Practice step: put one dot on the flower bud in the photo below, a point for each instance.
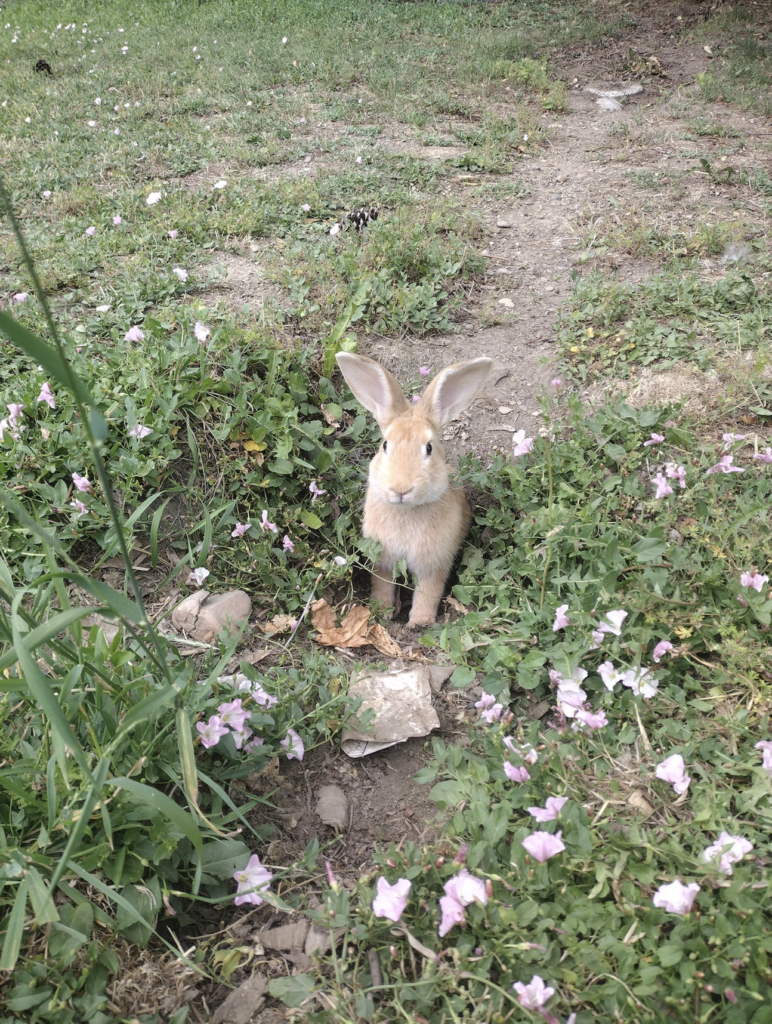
(439, 862)
(489, 888)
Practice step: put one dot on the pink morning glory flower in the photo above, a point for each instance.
(724, 466)
(592, 720)
(79, 505)
(765, 456)
(491, 711)
(661, 650)
(305, 208)
(754, 580)
(287, 544)
(293, 745)
(726, 851)
(265, 524)
(173, 233)
(198, 576)
(46, 396)
(730, 439)
(674, 472)
(251, 880)
(556, 383)
(534, 995)
(765, 746)
(240, 529)
(613, 622)
(637, 680)
(654, 439)
(663, 487)
(672, 770)
(153, 198)
(391, 900)
(212, 731)
(140, 431)
(528, 754)
(201, 332)
(541, 845)
(262, 697)
(46, 193)
(117, 220)
(550, 811)
(460, 891)
(340, 560)
(233, 715)
(515, 774)
(424, 370)
(561, 619)
(316, 492)
(81, 482)
(522, 444)
(676, 897)
(241, 736)
(21, 297)
(134, 334)
(258, 741)
(90, 232)
(181, 274)
(609, 675)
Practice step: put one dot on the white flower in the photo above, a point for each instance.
(727, 850)
(153, 198)
(220, 184)
(198, 576)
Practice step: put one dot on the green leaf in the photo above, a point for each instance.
(650, 549)
(176, 814)
(41, 899)
(118, 603)
(311, 519)
(292, 991)
(15, 928)
(187, 756)
(463, 676)
(223, 857)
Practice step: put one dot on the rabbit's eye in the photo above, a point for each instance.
(384, 447)
(429, 449)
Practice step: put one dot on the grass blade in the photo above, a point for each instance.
(15, 931)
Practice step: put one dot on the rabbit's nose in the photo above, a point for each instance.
(400, 496)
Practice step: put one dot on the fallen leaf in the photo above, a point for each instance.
(382, 641)
(279, 624)
(253, 657)
(241, 1005)
(639, 803)
(332, 806)
(456, 605)
(351, 632)
(322, 616)
(330, 418)
(286, 936)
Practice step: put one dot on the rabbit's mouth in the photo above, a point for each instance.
(402, 497)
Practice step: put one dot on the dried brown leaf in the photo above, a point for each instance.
(382, 641)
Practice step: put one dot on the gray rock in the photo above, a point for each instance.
(202, 616)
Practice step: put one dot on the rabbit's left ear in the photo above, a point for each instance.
(453, 389)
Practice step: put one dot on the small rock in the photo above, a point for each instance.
(503, 224)
(507, 302)
(484, 252)
(332, 806)
(734, 253)
(504, 409)
(608, 103)
(202, 616)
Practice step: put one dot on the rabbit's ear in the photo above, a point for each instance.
(373, 386)
(453, 389)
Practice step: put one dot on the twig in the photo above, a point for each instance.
(375, 968)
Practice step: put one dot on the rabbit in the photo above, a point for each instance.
(411, 507)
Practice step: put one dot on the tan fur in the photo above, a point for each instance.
(410, 508)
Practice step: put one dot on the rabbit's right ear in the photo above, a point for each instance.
(373, 386)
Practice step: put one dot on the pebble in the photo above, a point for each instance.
(507, 302)
(503, 224)
(202, 616)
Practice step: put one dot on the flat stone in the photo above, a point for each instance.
(503, 224)
(202, 616)
(507, 302)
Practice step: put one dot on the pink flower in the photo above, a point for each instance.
(592, 721)
(541, 845)
(82, 509)
(522, 444)
(550, 811)
(293, 745)
(117, 220)
(181, 274)
(726, 851)
(81, 482)
(15, 410)
(765, 746)
(516, 774)
(198, 576)
(491, 711)
(316, 492)
(265, 524)
(233, 715)
(528, 754)
(613, 623)
(663, 487)
(661, 650)
(424, 370)
(241, 736)
(240, 529)
(676, 897)
(140, 431)
(460, 891)
(46, 396)
(609, 674)
(173, 233)
(391, 900)
(654, 439)
(672, 770)
(730, 439)
(754, 580)
(724, 466)
(253, 877)
(556, 383)
(416, 399)
(765, 456)
(153, 198)
(90, 232)
(258, 741)
(212, 731)
(91, 124)
(47, 193)
(561, 619)
(262, 697)
(674, 472)
(287, 544)
(636, 679)
(134, 334)
(533, 995)
(201, 332)
(21, 297)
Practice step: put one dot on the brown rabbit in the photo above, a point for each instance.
(410, 507)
